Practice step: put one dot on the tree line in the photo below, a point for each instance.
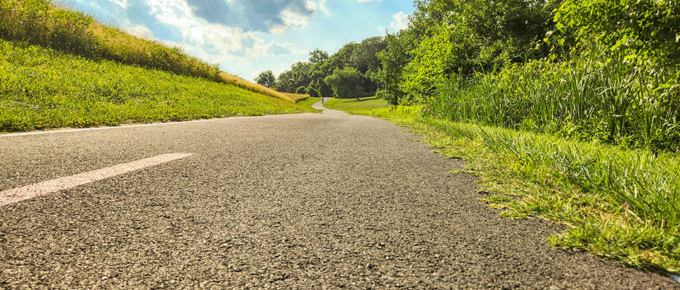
(349, 73)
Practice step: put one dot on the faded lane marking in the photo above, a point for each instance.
(35, 190)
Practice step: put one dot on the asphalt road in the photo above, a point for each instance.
(297, 201)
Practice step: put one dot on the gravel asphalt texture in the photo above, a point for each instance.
(293, 202)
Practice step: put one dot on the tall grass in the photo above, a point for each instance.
(621, 204)
(296, 97)
(255, 87)
(595, 98)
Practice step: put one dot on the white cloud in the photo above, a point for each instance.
(122, 3)
(400, 21)
(311, 6)
(200, 36)
(323, 8)
(292, 19)
(382, 28)
(217, 43)
(274, 48)
(277, 29)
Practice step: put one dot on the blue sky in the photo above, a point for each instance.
(246, 37)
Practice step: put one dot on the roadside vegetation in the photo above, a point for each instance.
(568, 110)
(619, 204)
(354, 106)
(307, 103)
(63, 68)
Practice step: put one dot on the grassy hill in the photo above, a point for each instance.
(63, 68)
(353, 106)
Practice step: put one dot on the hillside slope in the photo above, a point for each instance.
(44, 88)
(61, 68)
(41, 22)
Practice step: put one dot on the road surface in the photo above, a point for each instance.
(296, 201)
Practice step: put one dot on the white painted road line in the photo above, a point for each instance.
(35, 190)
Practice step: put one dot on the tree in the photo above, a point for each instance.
(317, 88)
(644, 30)
(318, 56)
(392, 62)
(266, 78)
(298, 76)
(346, 83)
(364, 57)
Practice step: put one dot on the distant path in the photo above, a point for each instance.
(291, 201)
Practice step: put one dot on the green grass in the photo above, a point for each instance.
(42, 22)
(308, 103)
(619, 204)
(44, 88)
(598, 98)
(354, 106)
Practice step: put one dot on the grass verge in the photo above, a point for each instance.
(619, 204)
(308, 103)
(354, 106)
(44, 88)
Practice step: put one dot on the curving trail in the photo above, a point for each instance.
(295, 201)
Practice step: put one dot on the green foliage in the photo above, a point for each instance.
(311, 74)
(301, 90)
(468, 36)
(364, 57)
(346, 83)
(318, 56)
(298, 76)
(43, 88)
(648, 31)
(266, 78)
(446, 52)
(586, 98)
(620, 204)
(341, 59)
(393, 60)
